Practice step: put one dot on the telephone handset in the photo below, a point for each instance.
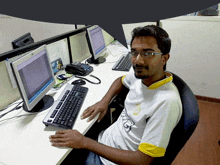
(78, 68)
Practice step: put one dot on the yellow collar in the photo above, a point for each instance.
(158, 84)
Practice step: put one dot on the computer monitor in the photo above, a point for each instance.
(34, 77)
(24, 40)
(96, 44)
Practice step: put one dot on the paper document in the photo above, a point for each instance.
(59, 49)
(116, 50)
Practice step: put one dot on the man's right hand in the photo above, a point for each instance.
(100, 107)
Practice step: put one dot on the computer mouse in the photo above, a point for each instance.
(79, 82)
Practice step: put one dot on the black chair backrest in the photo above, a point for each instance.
(186, 125)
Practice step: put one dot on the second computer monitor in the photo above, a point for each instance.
(96, 44)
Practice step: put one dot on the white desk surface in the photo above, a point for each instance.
(25, 140)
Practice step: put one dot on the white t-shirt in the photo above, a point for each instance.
(149, 116)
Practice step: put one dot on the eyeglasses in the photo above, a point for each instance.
(144, 54)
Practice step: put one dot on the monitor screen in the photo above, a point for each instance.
(34, 77)
(24, 40)
(96, 44)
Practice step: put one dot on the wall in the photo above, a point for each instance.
(194, 54)
(39, 31)
(129, 27)
(11, 28)
(195, 51)
(8, 94)
(79, 47)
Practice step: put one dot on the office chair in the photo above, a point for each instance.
(187, 124)
(183, 129)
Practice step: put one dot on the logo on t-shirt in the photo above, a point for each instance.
(127, 122)
(137, 110)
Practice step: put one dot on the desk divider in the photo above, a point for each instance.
(33, 46)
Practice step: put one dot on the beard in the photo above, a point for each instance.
(139, 72)
(139, 76)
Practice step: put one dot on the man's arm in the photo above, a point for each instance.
(73, 139)
(102, 106)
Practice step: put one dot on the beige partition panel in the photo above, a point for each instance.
(108, 38)
(8, 94)
(129, 27)
(11, 28)
(79, 47)
(195, 51)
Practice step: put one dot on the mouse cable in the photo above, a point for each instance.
(89, 80)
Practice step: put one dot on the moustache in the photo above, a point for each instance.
(140, 66)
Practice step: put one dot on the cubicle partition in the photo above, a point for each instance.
(127, 28)
(194, 53)
(70, 47)
(19, 51)
(25, 139)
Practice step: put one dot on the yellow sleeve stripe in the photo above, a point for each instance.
(152, 150)
(122, 79)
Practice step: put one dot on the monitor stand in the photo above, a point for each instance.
(97, 61)
(46, 102)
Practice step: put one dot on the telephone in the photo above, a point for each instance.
(78, 68)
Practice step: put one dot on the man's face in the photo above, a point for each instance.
(145, 67)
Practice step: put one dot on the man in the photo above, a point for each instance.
(208, 12)
(152, 107)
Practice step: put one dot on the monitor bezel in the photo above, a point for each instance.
(14, 64)
(91, 46)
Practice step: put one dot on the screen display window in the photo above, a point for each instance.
(35, 75)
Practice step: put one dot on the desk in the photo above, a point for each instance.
(25, 140)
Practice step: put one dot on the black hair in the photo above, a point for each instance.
(161, 36)
(209, 12)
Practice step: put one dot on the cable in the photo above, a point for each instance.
(14, 117)
(2, 122)
(89, 80)
(8, 106)
(15, 108)
(86, 62)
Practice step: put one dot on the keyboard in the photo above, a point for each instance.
(65, 110)
(123, 63)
